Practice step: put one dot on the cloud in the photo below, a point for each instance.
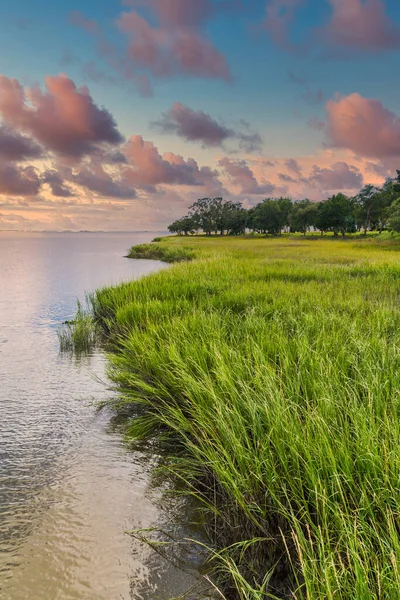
(243, 177)
(198, 126)
(180, 13)
(280, 15)
(364, 126)
(57, 185)
(287, 178)
(166, 51)
(361, 25)
(124, 67)
(64, 118)
(16, 147)
(315, 176)
(297, 78)
(340, 177)
(316, 124)
(380, 169)
(79, 20)
(293, 166)
(94, 178)
(19, 181)
(150, 168)
(171, 42)
(313, 96)
(354, 25)
(92, 72)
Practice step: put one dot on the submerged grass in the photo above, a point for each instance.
(270, 370)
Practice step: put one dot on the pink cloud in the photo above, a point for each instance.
(124, 67)
(287, 178)
(176, 45)
(197, 56)
(57, 185)
(95, 178)
(166, 52)
(148, 45)
(19, 181)
(364, 126)
(64, 118)
(361, 24)
(16, 147)
(193, 125)
(179, 13)
(243, 177)
(198, 126)
(150, 168)
(293, 166)
(381, 169)
(315, 176)
(340, 176)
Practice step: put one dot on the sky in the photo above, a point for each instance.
(117, 115)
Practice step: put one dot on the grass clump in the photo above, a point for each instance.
(156, 251)
(269, 369)
(80, 335)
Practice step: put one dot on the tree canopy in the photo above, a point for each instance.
(373, 208)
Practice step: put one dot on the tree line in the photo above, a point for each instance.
(373, 208)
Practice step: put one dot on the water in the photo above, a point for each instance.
(69, 488)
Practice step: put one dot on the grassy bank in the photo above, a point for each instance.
(164, 252)
(270, 371)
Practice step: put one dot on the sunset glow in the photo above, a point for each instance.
(119, 115)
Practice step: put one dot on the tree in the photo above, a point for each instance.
(388, 194)
(185, 225)
(285, 207)
(336, 214)
(267, 217)
(396, 184)
(302, 216)
(213, 214)
(201, 214)
(236, 222)
(221, 213)
(394, 216)
(369, 203)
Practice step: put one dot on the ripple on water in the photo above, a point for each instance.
(69, 489)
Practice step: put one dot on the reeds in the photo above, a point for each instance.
(270, 370)
(156, 251)
(79, 335)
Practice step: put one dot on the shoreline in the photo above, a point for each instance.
(245, 364)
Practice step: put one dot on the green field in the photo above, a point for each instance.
(269, 370)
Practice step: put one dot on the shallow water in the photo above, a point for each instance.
(69, 489)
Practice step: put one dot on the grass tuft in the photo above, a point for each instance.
(80, 335)
(155, 251)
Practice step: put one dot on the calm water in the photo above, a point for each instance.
(69, 489)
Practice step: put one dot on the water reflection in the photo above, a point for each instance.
(69, 489)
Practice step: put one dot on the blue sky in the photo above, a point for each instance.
(287, 60)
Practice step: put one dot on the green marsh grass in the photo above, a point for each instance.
(269, 369)
(79, 335)
(156, 251)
